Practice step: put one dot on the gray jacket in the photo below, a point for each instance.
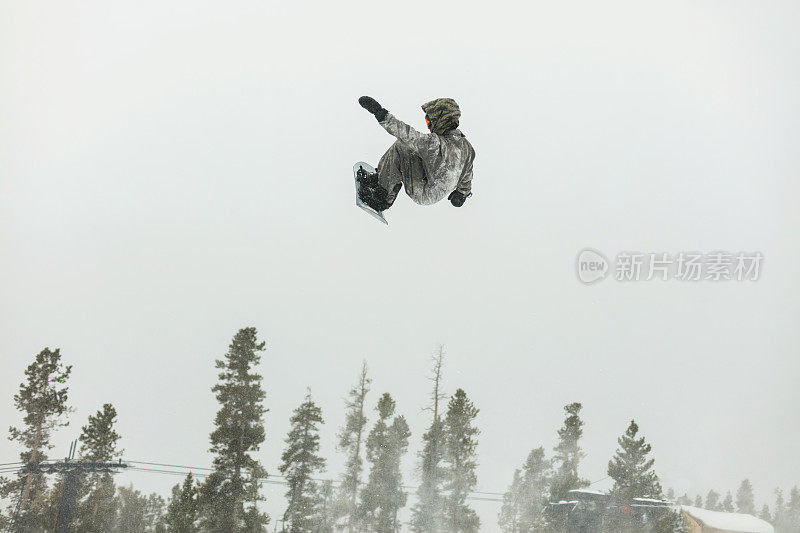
(447, 159)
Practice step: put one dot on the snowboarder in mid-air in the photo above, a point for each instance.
(430, 166)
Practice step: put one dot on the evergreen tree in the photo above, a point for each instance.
(712, 501)
(154, 514)
(780, 514)
(254, 520)
(698, 501)
(132, 506)
(786, 514)
(351, 438)
(42, 399)
(383, 495)
(51, 507)
(537, 473)
(671, 522)
(328, 512)
(427, 514)
(300, 461)
(525, 502)
(183, 507)
(793, 509)
(671, 494)
(239, 431)
(138, 513)
(631, 469)
(765, 514)
(459, 460)
(568, 455)
(510, 516)
(727, 503)
(745, 503)
(97, 505)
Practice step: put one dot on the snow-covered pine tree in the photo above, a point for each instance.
(97, 505)
(712, 501)
(671, 522)
(42, 399)
(460, 451)
(745, 502)
(427, 514)
(727, 503)
(383, 495)
(568, 455)
(351, 438)
(632, 469)
(698, 501)
(300, 461)
(183, 507)
(525, 502)
(238, 431)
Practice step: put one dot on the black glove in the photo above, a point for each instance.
(371, 105)
(457, 199)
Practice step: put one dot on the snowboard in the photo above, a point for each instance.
(362, 169)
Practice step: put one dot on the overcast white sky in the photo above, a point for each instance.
(172, 172)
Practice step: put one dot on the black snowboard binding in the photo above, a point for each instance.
(370, 192)
(368, 180)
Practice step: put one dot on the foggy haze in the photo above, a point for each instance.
(170, 173)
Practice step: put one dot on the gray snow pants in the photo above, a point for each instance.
(401, 165)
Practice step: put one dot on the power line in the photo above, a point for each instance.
(266, 480)
(165, 464)
(72, 472)
(193, 468)
(201, 471)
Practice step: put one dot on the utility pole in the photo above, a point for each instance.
(73, 471)
(68, 501)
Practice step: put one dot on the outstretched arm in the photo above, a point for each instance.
(397, 128)
(406, 134)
